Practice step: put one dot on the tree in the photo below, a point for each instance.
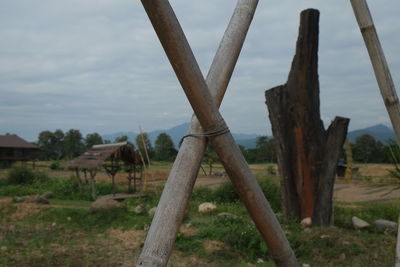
(121, 139)
(147, 144)
(93, 139)
(73, 144)
(367, 150)
(45, 143)
(51, 144)
(164, 148)
(265, 149)
(210, 157)
(58, 144)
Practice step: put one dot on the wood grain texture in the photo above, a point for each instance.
(185, 66)
(307, 154)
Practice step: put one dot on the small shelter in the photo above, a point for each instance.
(112, 157)
(13, 148)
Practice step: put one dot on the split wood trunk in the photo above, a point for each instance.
(307, 154)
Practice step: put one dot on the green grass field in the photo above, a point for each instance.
(67, 233)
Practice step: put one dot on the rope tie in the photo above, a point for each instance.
(208, 134)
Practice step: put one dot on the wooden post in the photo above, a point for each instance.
(92, 173)
(349, 161)
(188, 72)
(307, 154)
(144, 146)
(378, 60)
(78, 178)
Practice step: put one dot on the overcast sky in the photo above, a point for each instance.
(97, 65)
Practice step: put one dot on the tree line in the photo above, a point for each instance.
(59, 145)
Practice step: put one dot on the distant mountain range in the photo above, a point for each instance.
(177, 132)
(379, 132)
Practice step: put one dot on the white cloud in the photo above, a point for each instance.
(98, 65)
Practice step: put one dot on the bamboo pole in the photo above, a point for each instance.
(378, 60)
(182, 177)
(188, 72)
(144, 146)
(382, 74)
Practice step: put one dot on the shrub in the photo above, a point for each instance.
(202, 194)
(24, 175)
(226, 193)
(55, 165)
(273, 193)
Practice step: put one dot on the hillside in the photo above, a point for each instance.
(380, 132)
(177, 132)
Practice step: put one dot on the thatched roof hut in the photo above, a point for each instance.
(99, 154)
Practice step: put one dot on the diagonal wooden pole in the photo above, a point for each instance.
(188, 72)
(382, 74)
(378, 60)
(175, 197)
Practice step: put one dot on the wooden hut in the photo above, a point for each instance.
(111, 157)
(13, 148)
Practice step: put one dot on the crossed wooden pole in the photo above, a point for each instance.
(205, 97)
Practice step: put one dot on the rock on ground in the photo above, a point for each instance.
(359, 223)
(41, 200)
(106, 204)
(47, 195)
(207, 207)
(385, 225)
(139, 209)
(227, 215)
(306, 222)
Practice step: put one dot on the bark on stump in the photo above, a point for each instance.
(307, 154)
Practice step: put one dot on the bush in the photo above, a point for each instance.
(226, 193)
(202, 194)
(55, 165)
(24, 175)
(273, 193)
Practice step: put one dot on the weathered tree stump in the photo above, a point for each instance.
(307, 154)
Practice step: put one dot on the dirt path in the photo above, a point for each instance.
(364, 191)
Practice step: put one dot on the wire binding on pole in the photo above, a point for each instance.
(212, 133)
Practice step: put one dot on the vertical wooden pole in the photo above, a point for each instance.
(349, 161)
(79, 180)
(188, 72)
(92, 173)
(378, 60)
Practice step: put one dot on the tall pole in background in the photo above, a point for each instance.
(144, 146)
(378, 60)
(382, 73)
